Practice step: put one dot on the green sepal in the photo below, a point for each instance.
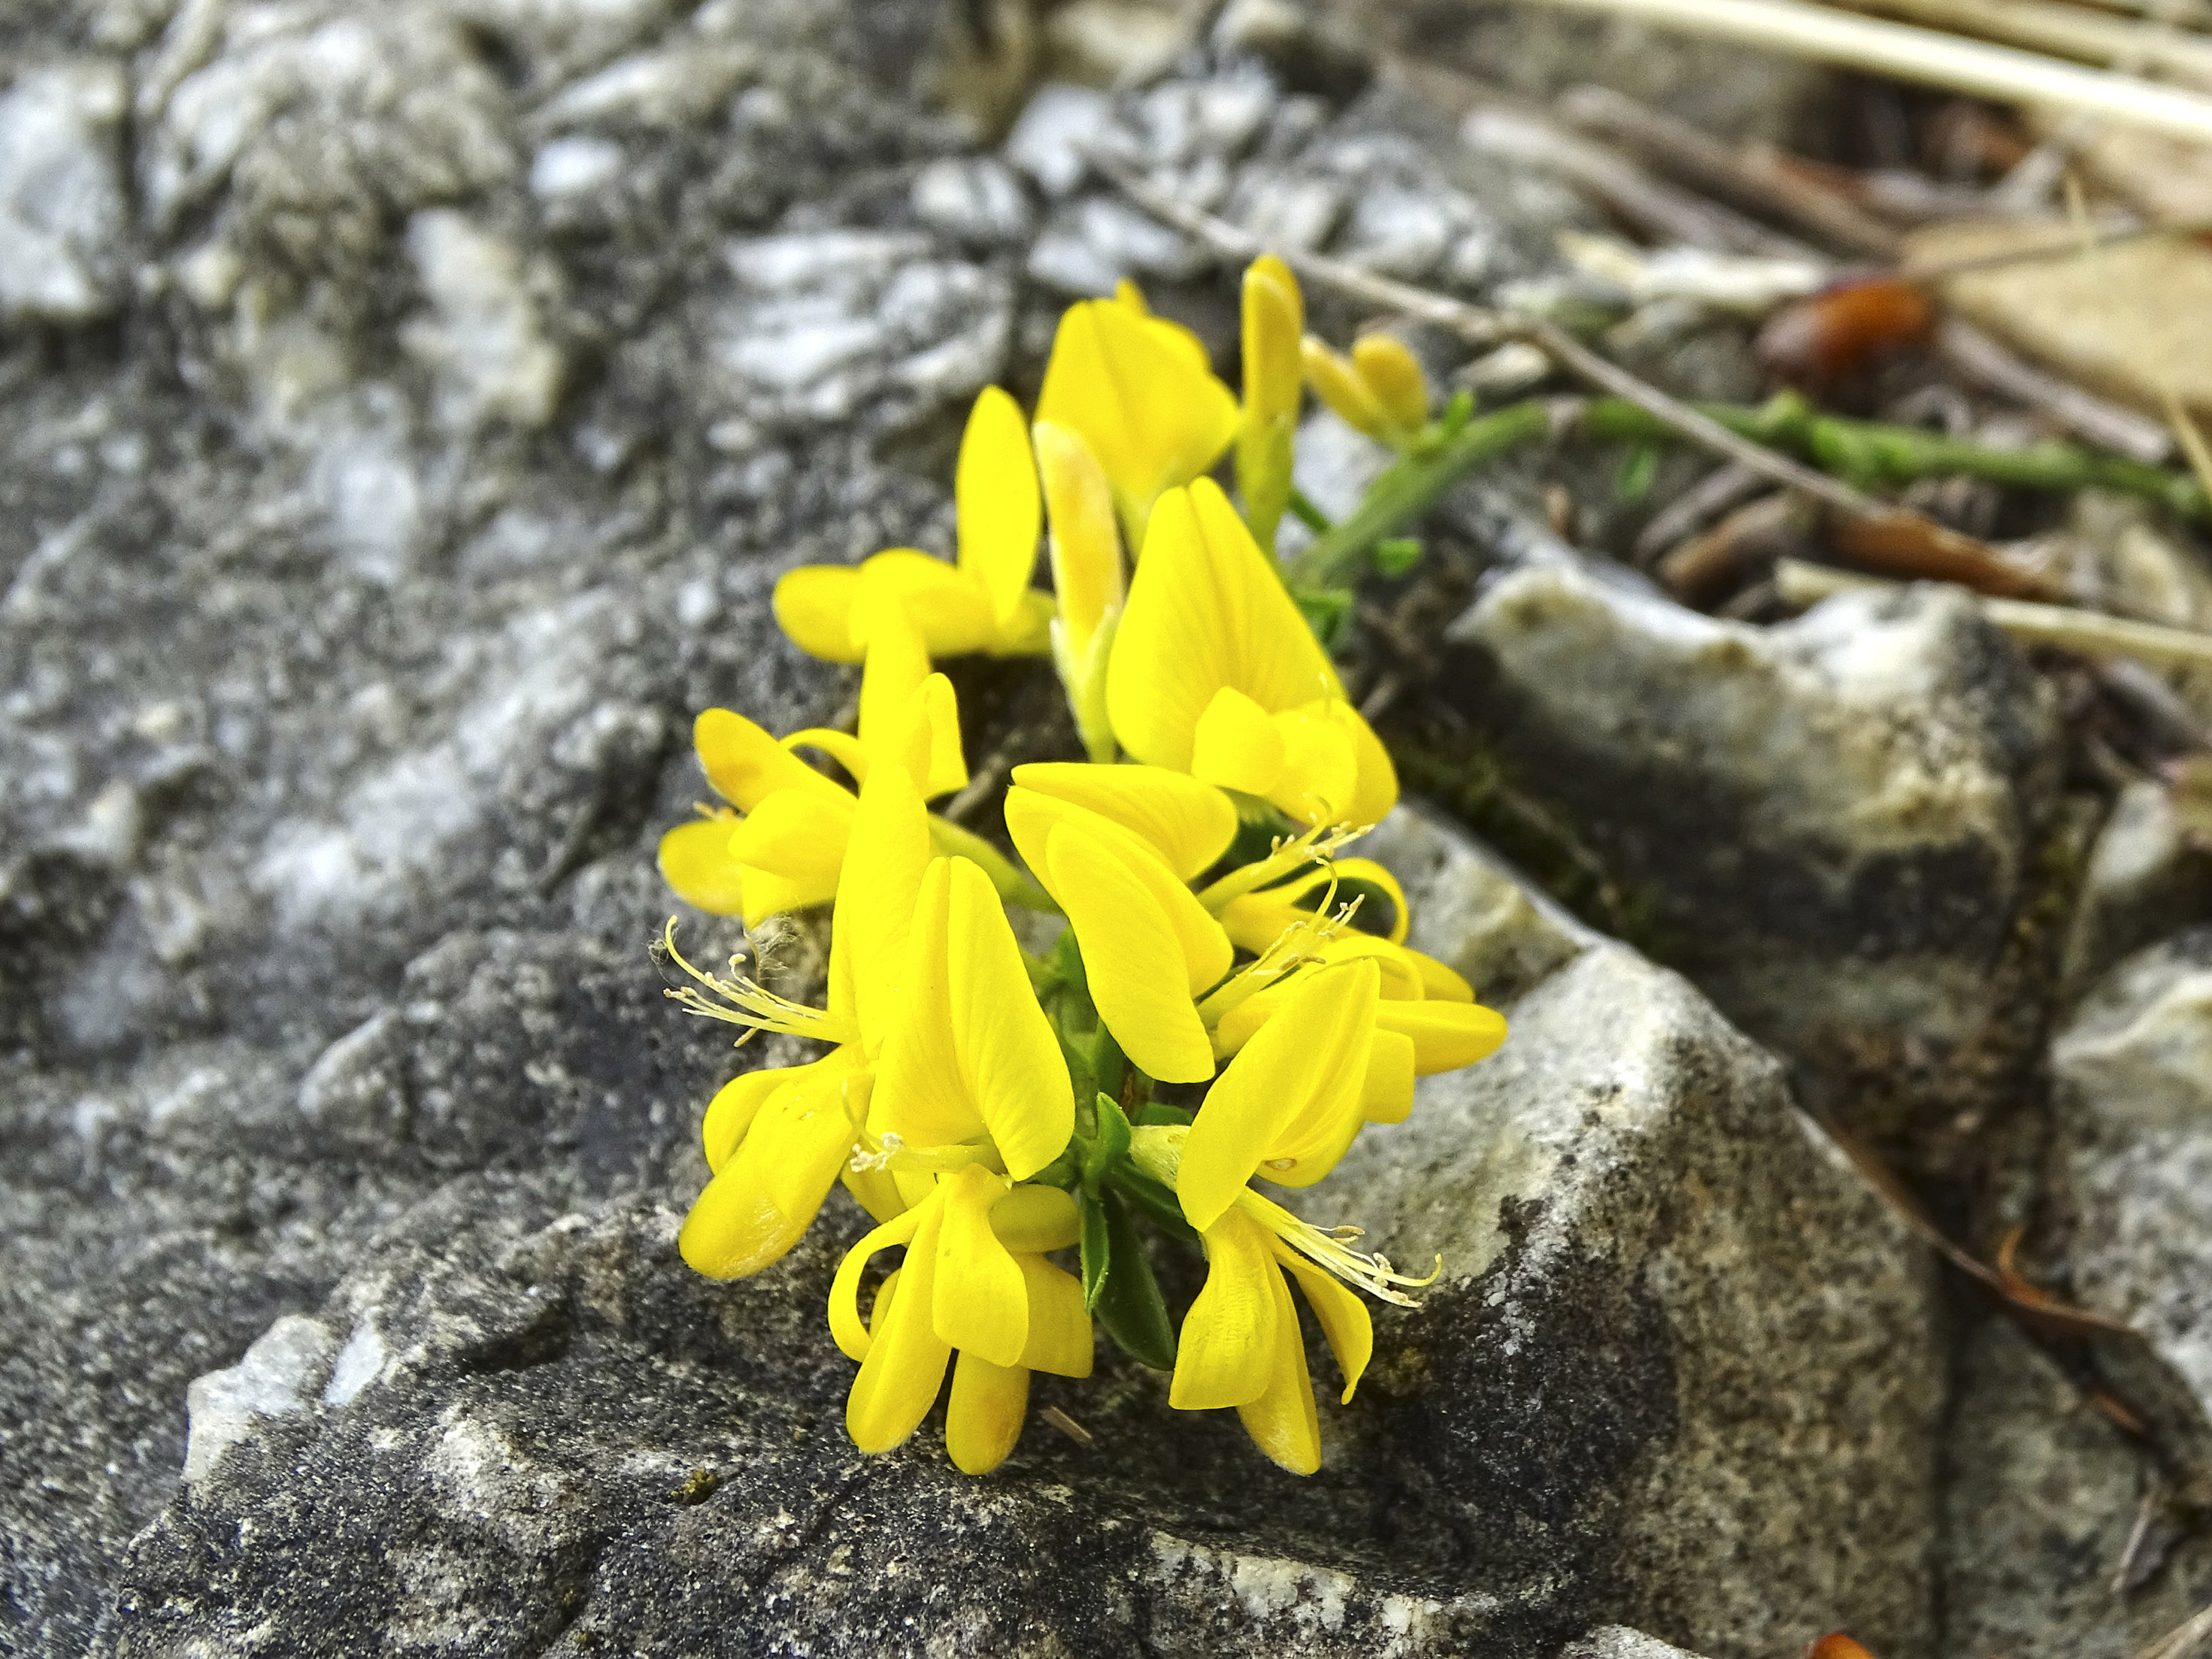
(1158, 1115)
(1063, 1172)
(1634, 481)
(1127, 1302)
(1396, 556)
(1095, 1243)
(1109, 1147)
(1156, 1201)
(1110, 1067)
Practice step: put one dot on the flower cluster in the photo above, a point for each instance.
(1232, 998)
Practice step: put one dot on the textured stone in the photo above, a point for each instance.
(1832, 821)
(2039, 1519)
(62, 206)
(2132, 1074)
(533, 1426)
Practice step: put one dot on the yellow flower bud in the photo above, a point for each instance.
(1274, 319)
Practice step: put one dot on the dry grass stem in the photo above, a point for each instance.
(1923, 54)
(2064, 627)
(2063, 31)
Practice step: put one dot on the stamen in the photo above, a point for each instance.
(743, 1000)
(1317, 846)
(1326, 1250)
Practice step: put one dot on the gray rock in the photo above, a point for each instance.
(1618, 1642)
(2132, 1076)
(2045, 1496)
(1832, 822)
(1056, 126)
(2146, 876)
(977, 200)
(528, 1424)
(62, 210)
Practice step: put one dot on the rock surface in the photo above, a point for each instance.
(1830, 824)
(536, 1431)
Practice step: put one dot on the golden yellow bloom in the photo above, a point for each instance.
(784, 854)
(776, 1140)
(1115, 847)
(1380, 389)
(1087, 580)
(969, 1057)
(1215, 673)
(975, 1281)
(981, 602)
(1274, 321)
(1138, 390)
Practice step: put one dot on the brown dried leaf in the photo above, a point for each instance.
(1907, 545)
(1837, 1645)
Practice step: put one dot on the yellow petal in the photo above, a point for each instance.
(983, 1415)
(1060, 1330)
(851, 1336)
(764, 1198)
(794, 833)
(1393, 375)
(745, 765)
(981, 1300)
(994, 489)
(1225, 1353)
(1321, 768)
(1009, 1058)
(1344, 1318)
(697, 862)
(883, 864)
(1337, 384)
(923, 735)
(1239, 745)
(969, 1051)
(1136, 924)
(1205, 611)
(1282, 1421)
(841, 747)
(906, 1358)
(1189, 824)
(1274, 320)
(1446, 1035)
(1376, 790)
(1086, 553)
(768, 894)
(1370, 873)
(813, 605)
(875, 1190)
(733, 1107)
(1033, 1218)
(897, 664)
(950, 611)
(1386, 1093)
(1437, 980)
(1289, 1103)
(1152, 416)
(1029, 633)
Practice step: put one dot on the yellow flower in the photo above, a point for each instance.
(1239, 1344)
(969, 1057)
(975, 1281)
(981, 602)
(1215, 673)
(1115, 847)
(1379, 389)
(1274, 320)
(786, 852)
(776, 1140)
(1087, 578)
(1138, 390)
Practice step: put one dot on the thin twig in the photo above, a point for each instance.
(1724, 488)
(1750, 179)
(2182, 1641)
(1661, 211)
(1995, 367)
(2088, 633)
(2060, 30)
(1480, 327)
(1926, 56)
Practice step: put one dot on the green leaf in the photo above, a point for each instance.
(1109, 1065)
(1457, 412)
(1634, 482)
(1397, 555)
(1156, 1201)
(1095, 1243)
(1327, 612)
(1112, 1145)
(1067, 961)
(1129, 1304)
(1158, 1115)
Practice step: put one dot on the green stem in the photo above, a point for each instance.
(1863, 453)
(1304, 510)
(1410, 486)
(1013, 884)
